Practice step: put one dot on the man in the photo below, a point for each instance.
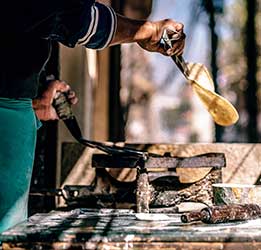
(26, 26)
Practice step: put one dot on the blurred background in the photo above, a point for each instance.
(160, 107)
(127, 94)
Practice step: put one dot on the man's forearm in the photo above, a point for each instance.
(148, 34)
(130, 30)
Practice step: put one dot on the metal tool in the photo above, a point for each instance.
(153, 192)
(221, 110)
(167, 43)
(64, 111)
(149, 195)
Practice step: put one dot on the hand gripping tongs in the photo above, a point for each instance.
(221, 110)
(64, 111)
(168, 37)
(128, 157)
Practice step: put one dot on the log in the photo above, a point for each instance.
(223, 214)
(143, 192)
(200, 191)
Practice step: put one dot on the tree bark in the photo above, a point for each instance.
(251, 57)
(209, 6)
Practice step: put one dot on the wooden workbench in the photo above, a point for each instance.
(121, 229)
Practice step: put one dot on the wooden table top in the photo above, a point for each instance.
(118, 229)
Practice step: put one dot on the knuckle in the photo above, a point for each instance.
(168, 20)
(55, 82)
(179, 26)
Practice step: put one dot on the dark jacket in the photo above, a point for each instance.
(28, 27)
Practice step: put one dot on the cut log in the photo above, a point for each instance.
(200, 191)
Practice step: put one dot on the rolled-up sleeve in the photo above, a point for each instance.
(76, 22)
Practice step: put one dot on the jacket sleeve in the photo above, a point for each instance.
(81, 22)
(100, 28)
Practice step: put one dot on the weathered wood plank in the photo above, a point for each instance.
(133, 246)
(209, 160)
(90, 226)
(243, 161)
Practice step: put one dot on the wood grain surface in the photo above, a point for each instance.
(121, 229)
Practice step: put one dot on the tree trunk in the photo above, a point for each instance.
(214, 47)
(251, 57)
(116, 119)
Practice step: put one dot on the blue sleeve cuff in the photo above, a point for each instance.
(101, 28)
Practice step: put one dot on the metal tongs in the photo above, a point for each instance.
(221, 110)
(168, 37)
(64, 111)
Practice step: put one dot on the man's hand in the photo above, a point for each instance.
(148, 34)
(43, 105)
(154, 31)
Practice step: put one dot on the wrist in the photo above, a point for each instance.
(131, 30)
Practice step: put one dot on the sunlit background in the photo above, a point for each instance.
(159, 104)
(127, 94)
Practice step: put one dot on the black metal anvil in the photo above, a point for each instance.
(148, 194)
(208, 160)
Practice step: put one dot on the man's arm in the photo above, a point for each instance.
(148, 34)
(96, 26)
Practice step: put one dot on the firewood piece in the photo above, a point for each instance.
(216, 160)
(155, 175)
(190, 175)
(143, 193)
(200, 191)
(192, 216)
(222, 214)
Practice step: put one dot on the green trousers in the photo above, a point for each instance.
(18, 126)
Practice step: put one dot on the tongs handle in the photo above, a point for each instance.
(167, 37)
(180, 62)
(64, 111)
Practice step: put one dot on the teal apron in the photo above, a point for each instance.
(18, 126)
